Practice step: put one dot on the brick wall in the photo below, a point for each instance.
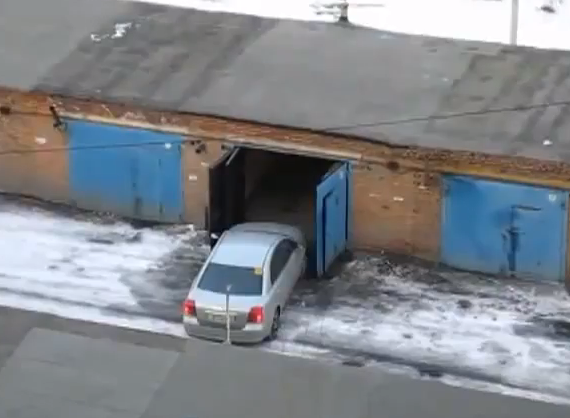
(396, 189)
(195, 165)
(396, 210)
(32, 170)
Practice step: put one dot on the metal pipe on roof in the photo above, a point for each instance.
(514, 21)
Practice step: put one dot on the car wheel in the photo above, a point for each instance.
(275, 325)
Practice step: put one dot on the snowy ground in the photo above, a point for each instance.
(477, 20)
(459, 328)
(442, 323)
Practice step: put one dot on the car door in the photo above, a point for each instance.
(286, 268)
(295, 266)
(278, 273)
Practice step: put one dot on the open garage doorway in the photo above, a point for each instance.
(255, 185)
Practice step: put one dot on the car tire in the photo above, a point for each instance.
(275, 325)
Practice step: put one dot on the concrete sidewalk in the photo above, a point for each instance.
(60, 368)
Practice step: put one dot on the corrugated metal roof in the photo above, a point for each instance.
(298, 74)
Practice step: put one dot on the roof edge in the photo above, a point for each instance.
(157, 107)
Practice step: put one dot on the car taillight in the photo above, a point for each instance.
(255, 315)
(189, 307)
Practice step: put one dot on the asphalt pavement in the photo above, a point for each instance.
(52, 367)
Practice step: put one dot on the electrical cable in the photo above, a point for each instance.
(521, 108)
(93, 147)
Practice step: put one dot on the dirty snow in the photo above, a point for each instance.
(74, 268)
(120, 30)
(476, 20)
(461, 329)
(442, 323)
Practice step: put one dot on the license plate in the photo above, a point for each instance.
(218, 318)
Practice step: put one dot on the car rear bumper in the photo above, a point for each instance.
(252, 334)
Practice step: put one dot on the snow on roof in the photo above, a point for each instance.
(298, 74)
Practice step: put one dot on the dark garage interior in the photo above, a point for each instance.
(255, 185)
(282, 188)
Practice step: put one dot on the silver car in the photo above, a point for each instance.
(260, 264)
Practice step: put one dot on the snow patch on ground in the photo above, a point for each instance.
(289, 348)
(508, 391)
(520, 338)
(475, 20)
(90, 314)
(73, 268)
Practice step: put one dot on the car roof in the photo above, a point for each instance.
(244, 248)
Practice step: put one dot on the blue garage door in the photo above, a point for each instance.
(504, 228)
(332, 217)
(131, 172)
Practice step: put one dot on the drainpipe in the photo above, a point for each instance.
(514, 21)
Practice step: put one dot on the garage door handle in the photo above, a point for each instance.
(524, 207)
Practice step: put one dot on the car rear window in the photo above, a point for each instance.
(244, 281)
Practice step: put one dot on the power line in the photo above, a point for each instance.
(449, 116)
(331, 129)
(165, 144)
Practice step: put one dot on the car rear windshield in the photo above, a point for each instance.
(244, 281)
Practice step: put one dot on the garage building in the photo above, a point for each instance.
(452, 152)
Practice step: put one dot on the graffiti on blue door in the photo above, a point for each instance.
(131, 172)
(504, 228)
(332, 218)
